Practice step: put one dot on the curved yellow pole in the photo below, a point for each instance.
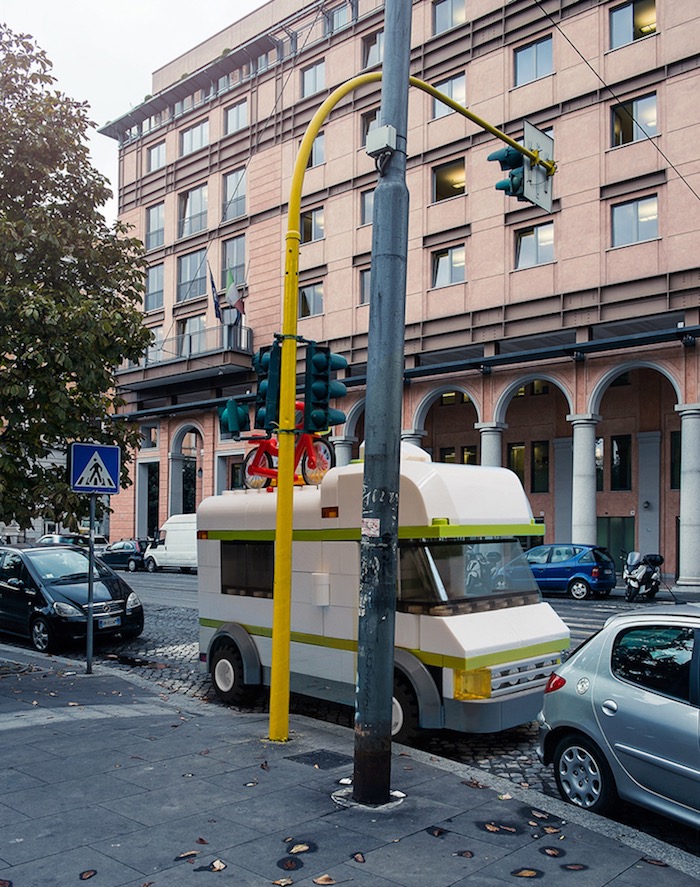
(282, 604)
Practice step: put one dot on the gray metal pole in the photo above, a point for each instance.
(91, 590)
(379, 545)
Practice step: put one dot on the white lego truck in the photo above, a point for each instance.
(474, 642)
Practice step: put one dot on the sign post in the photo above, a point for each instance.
(94, 469)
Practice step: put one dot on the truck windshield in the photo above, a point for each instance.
(439, 574)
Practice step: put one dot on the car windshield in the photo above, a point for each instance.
(64, 565)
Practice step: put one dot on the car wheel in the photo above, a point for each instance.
(582, 774)
(132, 566)
(404, 712)
(579, 589)
(227, 675)
(151, 565)
(42, 635)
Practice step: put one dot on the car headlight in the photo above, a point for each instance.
(132, 602)
(61, 608)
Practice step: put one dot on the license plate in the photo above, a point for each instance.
(109, 622)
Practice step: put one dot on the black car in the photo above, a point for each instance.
(44, 596)
(127, 554)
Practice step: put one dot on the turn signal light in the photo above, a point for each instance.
(475, 684)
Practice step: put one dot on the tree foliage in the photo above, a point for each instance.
(70, 290)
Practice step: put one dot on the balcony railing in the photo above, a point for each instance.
(189, 346)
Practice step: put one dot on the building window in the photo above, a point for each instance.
(191, 275)
(635, 221)
(233, 262)
(155, 226)
(634, 120)
(313, 79)
(447, 14)
(452, 398)
(154, 352)
(317, 155)
(370, 121)
(675, 460)
(336, 18)
(621, 462)
(540, 387)
(149, 438)
(191, 336)
(156, 157)
(373, 49)
(539, 466)
(448, 266)
(516, 459)
(366, 207)
(534, 246)
(632, 21)
(192, 214)
(311, 300)
(456, 89)
(533, 61)
(365, 285)
(448, 180)
(236, 117)
(194, 138)
(312, 225)
(599, 464)
(470, 455)
(154, 288)
(234, 194)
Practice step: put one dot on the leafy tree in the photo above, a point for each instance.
(70, 289)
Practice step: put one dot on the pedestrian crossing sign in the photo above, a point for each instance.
(94, 468)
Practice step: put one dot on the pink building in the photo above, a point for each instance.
(562, 346)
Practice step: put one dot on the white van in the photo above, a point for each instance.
(473, 649)
(174, 546)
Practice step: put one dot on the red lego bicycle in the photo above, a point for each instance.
(314, 456)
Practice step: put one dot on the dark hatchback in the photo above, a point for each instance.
(581, 571)
(44, 596)
(127, 554)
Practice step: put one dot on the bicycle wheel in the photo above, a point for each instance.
(324, 456)
(252, 480)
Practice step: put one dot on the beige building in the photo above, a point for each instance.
(562, 346)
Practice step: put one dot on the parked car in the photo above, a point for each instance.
(621, 715)
(579, 570)
(44, 596)
(127, 554)
(100, 542)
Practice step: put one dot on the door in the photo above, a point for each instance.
(561, 567)
(538, 559)
(17, 593)
(646, 705)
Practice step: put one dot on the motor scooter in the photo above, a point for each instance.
(642, 575)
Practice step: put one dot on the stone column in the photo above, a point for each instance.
(491, 434)
(583, 488)
(343, 449)
(689, 541)
(413, 436)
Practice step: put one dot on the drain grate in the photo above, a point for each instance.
(323, 759)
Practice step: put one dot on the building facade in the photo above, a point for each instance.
(560, 345)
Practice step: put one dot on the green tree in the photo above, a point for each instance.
(70, 290)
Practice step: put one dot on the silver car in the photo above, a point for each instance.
(621, 717)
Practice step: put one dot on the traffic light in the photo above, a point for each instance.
(319, 388)
(511, 159)
(234, 418)
(267, 364)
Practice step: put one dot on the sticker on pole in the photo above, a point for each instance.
(94, 468)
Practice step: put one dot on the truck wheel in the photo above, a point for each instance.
(227, 675)
(583, 776)
(579, 590)
(404, 712)
(151, 565)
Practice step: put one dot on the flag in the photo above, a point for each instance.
(234, 300)
(215, 297)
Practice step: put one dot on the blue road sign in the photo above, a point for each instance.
(94, 468)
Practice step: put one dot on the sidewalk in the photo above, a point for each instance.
(100, 774)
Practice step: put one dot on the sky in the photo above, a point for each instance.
(104, 51)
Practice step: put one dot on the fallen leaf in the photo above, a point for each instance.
(436, 831)
(551, 851)
(204, 751)
(576, 867)
(505, 797)
(201, 841)
(87, 874)
(188, 854)
(218, 865)
(358, 857)
(467, 854)
(299, 848)
(491, 827)
(551, 830)
(650, 861)
(250, 784)
(264, 766)
(473, 783)
(539, 814)
(509, 828)
(283, 882)
(324, 879)
(525, 873)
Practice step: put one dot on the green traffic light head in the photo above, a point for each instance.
(508, 157)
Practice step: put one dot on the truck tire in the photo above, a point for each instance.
(404, 711)
(227, 675)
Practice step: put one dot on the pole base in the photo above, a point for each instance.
(343, 798)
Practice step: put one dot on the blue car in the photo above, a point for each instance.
(579, 570)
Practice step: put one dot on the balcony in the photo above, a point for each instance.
(201, 355)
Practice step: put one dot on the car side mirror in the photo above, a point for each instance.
(21, 585)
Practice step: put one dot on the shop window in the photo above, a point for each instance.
(621, 462)
(539, 466)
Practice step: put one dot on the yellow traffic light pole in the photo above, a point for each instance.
(282, 588)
